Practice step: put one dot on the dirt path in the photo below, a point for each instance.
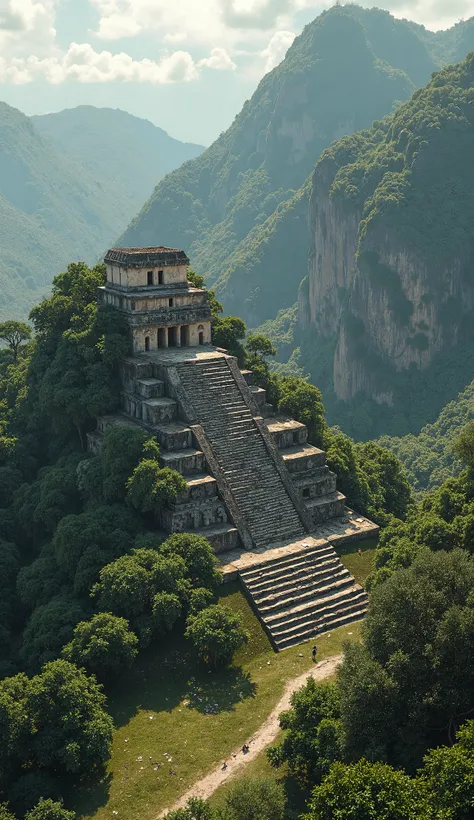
(262, 737)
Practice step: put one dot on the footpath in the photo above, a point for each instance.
(262, 738)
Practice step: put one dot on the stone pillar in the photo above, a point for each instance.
(178, 336)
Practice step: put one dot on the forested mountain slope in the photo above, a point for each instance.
(226, 206)
(389, 302)
(241, 208)
(428, 457)
(56, 206)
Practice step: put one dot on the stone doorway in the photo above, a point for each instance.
(172, 337)
(184, 336)
(147, 342)
(161, 337)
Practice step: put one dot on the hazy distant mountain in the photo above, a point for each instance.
(69, 183)
(128, 155)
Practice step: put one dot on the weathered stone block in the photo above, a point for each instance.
(150, 388)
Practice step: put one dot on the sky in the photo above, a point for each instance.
(186, 65)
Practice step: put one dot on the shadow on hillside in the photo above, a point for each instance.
(219, 692)
(166, 674)
(91, 795)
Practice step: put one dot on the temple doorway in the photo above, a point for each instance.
(147, 342)
(161, 337)
(172, 341)
(184, 336)
(201, 334)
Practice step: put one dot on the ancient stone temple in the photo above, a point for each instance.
(256, 489)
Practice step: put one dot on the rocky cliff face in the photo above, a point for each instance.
(390, 290)
(229, 204)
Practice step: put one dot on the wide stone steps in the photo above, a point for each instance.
(238, 445)
(287, 580)
(344, 618)
(272, 568)
(323, 608)
(298, 594)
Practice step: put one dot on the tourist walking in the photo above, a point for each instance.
(314, 652)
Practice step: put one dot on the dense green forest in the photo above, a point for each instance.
(241, 208)
(429, 458)
(69, 182)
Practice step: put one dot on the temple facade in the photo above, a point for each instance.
(163, 309)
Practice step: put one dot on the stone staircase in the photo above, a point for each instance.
(249, 469)
(302, 593)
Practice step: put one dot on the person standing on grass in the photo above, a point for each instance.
(314, 652)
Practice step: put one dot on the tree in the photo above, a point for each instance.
(228, 332)
(312, 739)
(216, 633)
(412, 682)
(198, 555)
(145, 587)
(50, 626)
(105, 646)
(5, 814)
(195, 809)
(14, 333)
(463, 445)
(15, 725)
(167, 609)
(364, 790)
(303, 402)
(151, 487)
(122, 450)
(72, 731)
(259, 345)
(49, 810)
(448, 776)
(254, 800)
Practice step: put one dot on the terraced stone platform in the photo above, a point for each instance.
(298, 590)
(255, 487)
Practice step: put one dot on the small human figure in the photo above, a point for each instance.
(245, 749)
(224, 766)
(359, 551)
(314, 652)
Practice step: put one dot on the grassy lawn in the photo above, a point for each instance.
(359, 565)
(175, 721)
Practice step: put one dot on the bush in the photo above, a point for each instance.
(104, 646)
(216, 633)
(254, 800)
(48, 810)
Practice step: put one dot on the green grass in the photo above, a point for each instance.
(167, 704)
(359, 565)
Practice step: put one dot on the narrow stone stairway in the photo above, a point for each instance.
(302, 594)
(240, 449)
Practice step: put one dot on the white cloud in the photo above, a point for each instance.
(27, 25)
(277, 48)
(85, 65)
(219, 61)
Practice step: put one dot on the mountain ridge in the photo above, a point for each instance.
(54, 207)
